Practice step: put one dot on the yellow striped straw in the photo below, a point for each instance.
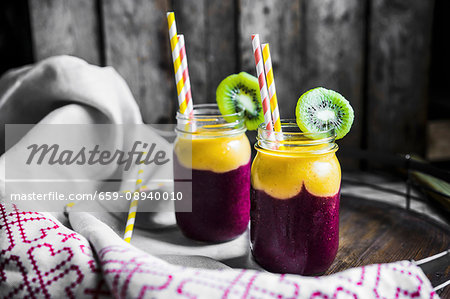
(177, 63)
(271, 86)
(130, 220)
(133, 209)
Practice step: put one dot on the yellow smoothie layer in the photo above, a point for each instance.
(283, 176)
(218, 154)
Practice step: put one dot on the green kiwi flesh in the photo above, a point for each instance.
(240, 92)
(321, 109)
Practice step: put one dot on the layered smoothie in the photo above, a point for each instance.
(295, 208)
(220, 168)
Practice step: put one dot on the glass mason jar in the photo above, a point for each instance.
(296, 181)
(214, 150)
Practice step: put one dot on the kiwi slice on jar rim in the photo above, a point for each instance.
(322, 109)
(241, 92)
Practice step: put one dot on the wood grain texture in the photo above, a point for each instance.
(313, 43)
(65, 27)
(278, 23)
(191, 21)
(209, 27)
(375, 232)
(332, 56)
(399, 52)
(220, 42)
(137, 46)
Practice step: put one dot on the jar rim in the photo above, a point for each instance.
(206, 121)
(202, 111)
(291, 138)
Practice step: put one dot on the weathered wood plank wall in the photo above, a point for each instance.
(375, 52)
(313, 43)
(136, 44)
(279, 24)
(210, 30)
(333, 53)
(65, 27)
(398, 72)
(191, 21)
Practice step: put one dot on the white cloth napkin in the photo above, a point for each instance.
(41, 257)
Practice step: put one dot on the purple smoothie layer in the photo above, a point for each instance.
(298, 235)
(220, 204)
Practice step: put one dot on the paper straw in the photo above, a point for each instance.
(262, 81)
(271, 87)
(176, 58)
(186, 81)
(132, 210)
(130, 220)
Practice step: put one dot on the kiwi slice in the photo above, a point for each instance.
(321, 109)
(241, 92)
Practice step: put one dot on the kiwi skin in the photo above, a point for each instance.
(322, 99)
(239, 92)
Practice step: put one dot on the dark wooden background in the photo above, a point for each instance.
(375, 52)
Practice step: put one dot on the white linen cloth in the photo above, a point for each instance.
(41, 257)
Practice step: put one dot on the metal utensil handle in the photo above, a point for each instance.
(434, 263)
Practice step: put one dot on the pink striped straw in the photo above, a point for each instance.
(186, 80)
(262, 82)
